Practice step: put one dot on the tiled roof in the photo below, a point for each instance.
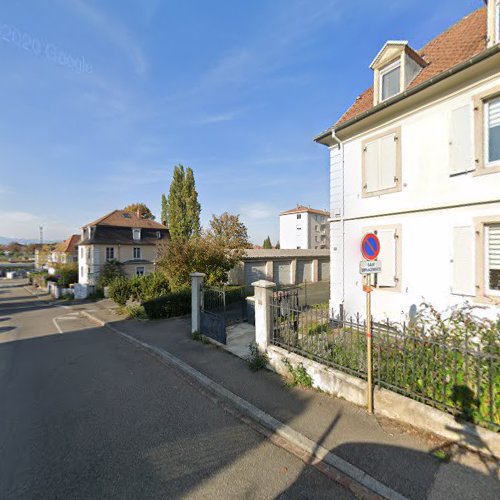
(456, 45)
(120, 218)
(300, 209)
(69, 245)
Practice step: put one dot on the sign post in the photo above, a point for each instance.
(370, 248)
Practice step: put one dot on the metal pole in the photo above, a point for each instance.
(369, 344)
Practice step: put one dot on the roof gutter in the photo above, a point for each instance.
(398, 98)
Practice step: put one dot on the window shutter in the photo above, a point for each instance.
(462, 261)
(494, 247)
(371, 166)
(388, 256)
(388, 161)
(461, 140)
(494, 130)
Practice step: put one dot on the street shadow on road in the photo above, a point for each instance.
(90, 416)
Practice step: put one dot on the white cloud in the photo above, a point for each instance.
(117, 34)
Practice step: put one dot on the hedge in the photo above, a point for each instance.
(170, 305)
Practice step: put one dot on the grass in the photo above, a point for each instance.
(257, 359)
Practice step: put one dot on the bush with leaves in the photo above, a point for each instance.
(148, 287)
(120, 290)
(67, 274)
(173, 304)
(109, 272)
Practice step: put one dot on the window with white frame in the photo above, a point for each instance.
(492, 259)
(110, 253)
(390, 81)
(139, 271)
(492, 132)
(136, 233)
(382, 164)
(137, 253)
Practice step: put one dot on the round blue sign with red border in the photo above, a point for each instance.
(370, 246)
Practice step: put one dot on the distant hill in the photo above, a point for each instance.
(4, 240)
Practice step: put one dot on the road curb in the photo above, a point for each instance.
(307, 448)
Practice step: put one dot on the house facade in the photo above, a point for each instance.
(304, 228)
(123, 237)
(416, 159)
(64, 253)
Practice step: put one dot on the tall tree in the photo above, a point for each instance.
(142, 208)
(193, 207)
(164, 210)
(267, 244)
(229, 231)
(277, 246)
(183, 209)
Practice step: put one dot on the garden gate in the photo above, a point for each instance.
(213, 313)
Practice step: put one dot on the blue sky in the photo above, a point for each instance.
(234, 89)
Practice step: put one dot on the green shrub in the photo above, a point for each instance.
(67, 274)
(109, 272)
(170, 305)
(120, 290)
(257, 359)
(149, 287)
(135, 311)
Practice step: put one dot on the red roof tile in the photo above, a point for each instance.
(120, 218)
(69, 245)
(299, 209)
(456, 45)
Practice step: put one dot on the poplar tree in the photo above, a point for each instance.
(164, 210)
(267, 244)
(183, 209)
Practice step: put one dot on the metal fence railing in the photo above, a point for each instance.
(459, 375)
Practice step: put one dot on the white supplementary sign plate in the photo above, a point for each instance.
(370, 267)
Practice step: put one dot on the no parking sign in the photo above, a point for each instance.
(370, 246)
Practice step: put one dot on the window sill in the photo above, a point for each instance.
(382, 192)
(484, 170)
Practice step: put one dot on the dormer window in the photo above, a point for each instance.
(136, 233)
(390, 81)
(395, 67)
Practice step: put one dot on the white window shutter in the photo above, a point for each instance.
(461, 140)
(388, 161)
(371, 167)
(463, 261)
(388, 258)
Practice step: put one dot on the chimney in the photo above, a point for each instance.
(493, 22)
(138, 213)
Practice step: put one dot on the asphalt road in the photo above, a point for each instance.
(86, 415)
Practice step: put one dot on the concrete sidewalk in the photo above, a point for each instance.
(398, 457)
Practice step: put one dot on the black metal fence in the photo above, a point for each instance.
(459, 375)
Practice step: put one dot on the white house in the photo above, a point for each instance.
(416, 159)
(304, 228)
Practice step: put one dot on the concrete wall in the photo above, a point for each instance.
(389, 404)
(431, 203)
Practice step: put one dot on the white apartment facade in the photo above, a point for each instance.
(417, 160)
(304, 228)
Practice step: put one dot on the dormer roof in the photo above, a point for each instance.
(458, 44)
